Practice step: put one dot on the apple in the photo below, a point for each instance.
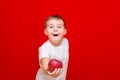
(53, 64)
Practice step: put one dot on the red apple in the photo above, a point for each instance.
(53, 64)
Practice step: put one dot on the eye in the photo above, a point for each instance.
(59, 26)
(50, 26)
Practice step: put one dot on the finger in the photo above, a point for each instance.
(54, 72)
(60, 71)
(51, 73)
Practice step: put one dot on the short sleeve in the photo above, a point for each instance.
(43, 52)
(66, 42)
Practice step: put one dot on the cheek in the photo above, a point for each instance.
(48, 31)
(64, 32)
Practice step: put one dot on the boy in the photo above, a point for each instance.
(56, 47)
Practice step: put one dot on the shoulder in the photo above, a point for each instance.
(44, 45)
(65, 40)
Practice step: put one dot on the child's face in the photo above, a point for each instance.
(55, 30)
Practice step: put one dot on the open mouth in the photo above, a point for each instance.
(55, 34)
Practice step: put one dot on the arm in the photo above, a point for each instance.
(44, 61)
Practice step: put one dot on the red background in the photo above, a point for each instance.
(93, 33)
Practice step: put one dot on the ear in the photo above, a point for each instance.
(65, 32)
(45, 32)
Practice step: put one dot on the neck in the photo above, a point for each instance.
(56, 43)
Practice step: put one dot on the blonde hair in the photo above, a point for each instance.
(54, 17)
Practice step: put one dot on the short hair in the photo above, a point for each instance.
(54, 17)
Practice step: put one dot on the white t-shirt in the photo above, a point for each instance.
(60, 52)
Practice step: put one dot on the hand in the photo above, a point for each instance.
(44, 61)
(55, 73)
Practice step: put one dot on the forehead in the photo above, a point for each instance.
(55, 21)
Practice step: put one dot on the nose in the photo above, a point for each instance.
(55, 29)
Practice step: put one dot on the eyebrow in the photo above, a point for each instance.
(49, 24)
(53, 24)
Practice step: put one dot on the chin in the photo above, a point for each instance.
(56, 42)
